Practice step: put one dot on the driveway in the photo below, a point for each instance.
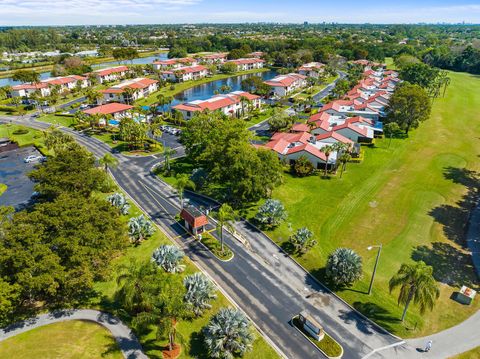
(13, 173)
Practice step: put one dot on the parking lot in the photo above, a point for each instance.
(13, 173)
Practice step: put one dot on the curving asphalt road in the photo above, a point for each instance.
(127, 342)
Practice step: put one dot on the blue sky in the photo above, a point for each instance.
(70, 12)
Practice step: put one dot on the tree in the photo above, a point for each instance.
(391, 129)
(327, 151)
(302, 240)
(416, 283)
(271, 213)
(26, 76)
(404, 60)
(93, 96)
(119, 201)
(56, 139)
(228, 334)
(419, 74)
(344, 158)
(228, 68)
(71, 170)
(177, 52)
(280, 121)
(167, 306)
(200, 291)
(128, 94)
(168, 152)
(408, 106)
(169, 257)
(303, 167)
(183, 182)
(226, 216)
(108, 161)
(140, 228)
(344, 267)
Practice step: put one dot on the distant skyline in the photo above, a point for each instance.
(98, 12)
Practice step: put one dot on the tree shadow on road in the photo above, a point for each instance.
(376, 313)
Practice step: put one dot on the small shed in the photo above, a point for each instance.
(195, 220)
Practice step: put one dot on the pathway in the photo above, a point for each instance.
(127, 342)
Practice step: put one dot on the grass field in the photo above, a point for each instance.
(471, 354)
(189, 330)
(32, 137)
(67, 340)
(413, 197)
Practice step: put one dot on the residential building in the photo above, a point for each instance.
(186, 73)
(114, 109)
(247, 63)
(216, 58)
(174, 63)
(28, 89)
(109, 74)
(256, 54)
(67, 82)
(141, 87)
(231, 104)
(283, 85)
(312, 69)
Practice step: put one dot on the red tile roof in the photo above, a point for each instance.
(64, 80)
(36, 86)
(110, 70)
(186, 69)
(310, 149)
(194, 217)
(216, 102)
(108, 109)
(139, 83)
(362, 131)
(248, 61)
(300, 127)
(285, 80)
(336, 136)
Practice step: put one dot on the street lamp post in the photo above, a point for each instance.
(375, 267)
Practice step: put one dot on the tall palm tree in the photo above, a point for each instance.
(183, 181)
(416, 283)
(108, 161)
(226, 216)
(168, 152)
(128, 94)
(327, 150)
(344, 158)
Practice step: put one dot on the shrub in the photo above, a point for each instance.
(303, 167)
(168, 257)
(271, 213)
(21, 131)
(302, 240)
(344, 267)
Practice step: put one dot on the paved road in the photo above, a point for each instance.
(473, 238)
(127, 342)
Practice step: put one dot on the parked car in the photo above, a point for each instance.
(83, 106)
(34, 158)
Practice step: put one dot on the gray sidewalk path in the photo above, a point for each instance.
(127, 342)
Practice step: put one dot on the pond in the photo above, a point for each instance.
(8, 81)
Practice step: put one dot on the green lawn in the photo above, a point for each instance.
(315, 89)
(190, 330)
(179, 87)
(413, 197)
(67, 340)
(65, 121)
(32, 137)
(471, 354)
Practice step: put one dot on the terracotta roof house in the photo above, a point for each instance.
(117, 110)
(67, 82)
(185, 73)
(195, 220)
(109, 74)
(28, 89)
(141, 87)
(216, 58)
(312, 69)
(247, 63)
(282, 85)
(174, 63)
(230, 104)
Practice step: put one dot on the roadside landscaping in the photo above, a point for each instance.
(214, 246)
(24, 136)
(189, 330)
(327, 345)
(67, 340)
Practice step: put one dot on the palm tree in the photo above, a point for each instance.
(108, 161)
(167, 307)
(344, 158)
(327, 150)
(183, 181)
(228, 334)
(134, 282)
(168, 257)
(93, 96)
(416, 283)
(168, 152)
(200, 291)
(225, 217)
(128, 94)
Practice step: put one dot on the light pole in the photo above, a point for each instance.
(379, 246)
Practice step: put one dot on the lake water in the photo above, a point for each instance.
(138, 61)
(204, 91)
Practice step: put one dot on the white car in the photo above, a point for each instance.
(33, 158)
